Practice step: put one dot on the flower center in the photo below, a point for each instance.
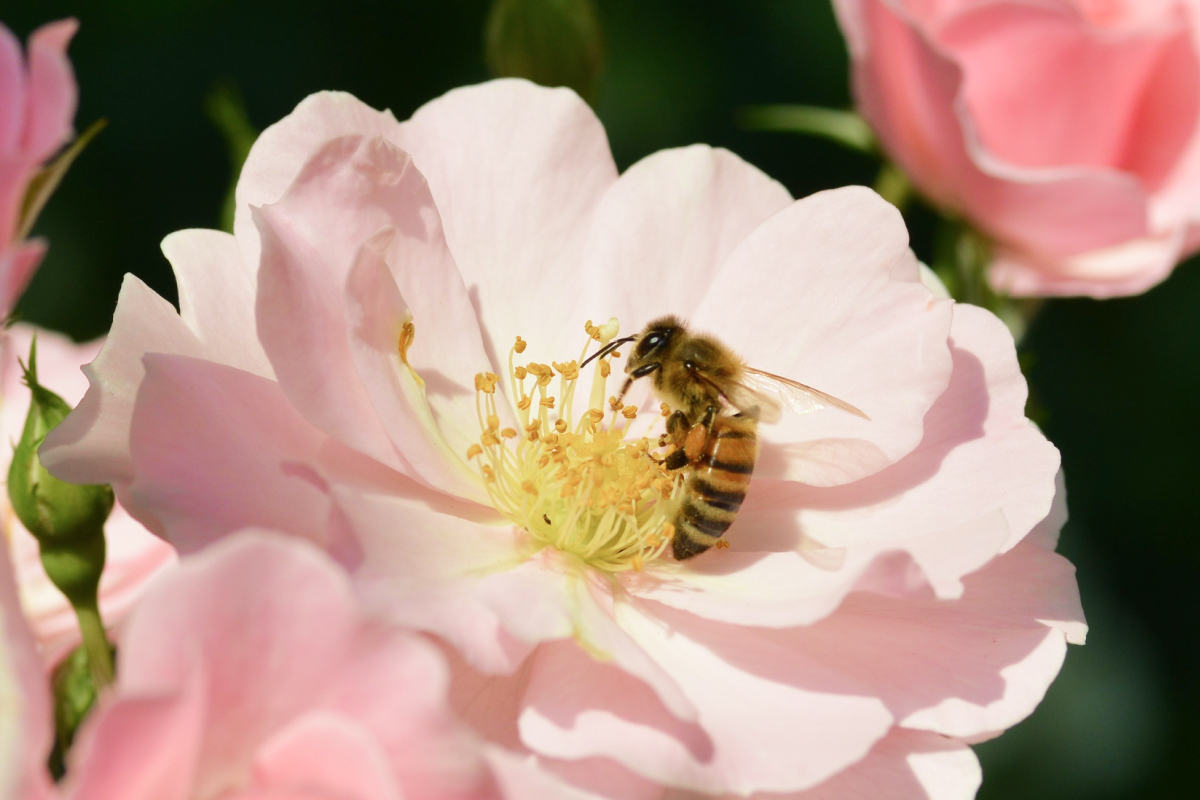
(578, 484)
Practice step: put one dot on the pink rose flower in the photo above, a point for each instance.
(252, 673)
(1066, 130)
(37, 104)
(134, 554)
(346, 368)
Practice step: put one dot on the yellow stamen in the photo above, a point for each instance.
(575, 484)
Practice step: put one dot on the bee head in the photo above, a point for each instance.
(655, 342)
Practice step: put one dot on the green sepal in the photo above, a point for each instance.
(48, 177)
(74, 696)
(844, 127)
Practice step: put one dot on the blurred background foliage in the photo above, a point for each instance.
(184, 84)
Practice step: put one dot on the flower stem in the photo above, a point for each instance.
(95, 644)
(961, 259)
(893, 185)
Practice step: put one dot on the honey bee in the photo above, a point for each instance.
(717, 403)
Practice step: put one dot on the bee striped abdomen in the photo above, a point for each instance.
(717, 486)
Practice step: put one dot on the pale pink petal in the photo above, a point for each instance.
(809, 296)
(323, 754)
(904, 765)
(978, 453)
(236, 608)
(981, 479)
(295, 688)
(426, 407)
(517, 173)
(92, 444)
(968, 668)
(203, 475)
(664, 229)
(305, 261)
(52, 91)
(429, 577)
(772, 718)
(282, 149)
(469, 584)
(141, 748)
(26, 714)
(216, 297)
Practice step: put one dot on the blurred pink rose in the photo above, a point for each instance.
(134, 554)
(37, 105)
(1067, 130)
(881, 602)
(26, 714)
(252, 673)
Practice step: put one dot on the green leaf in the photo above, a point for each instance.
(844, 127)
(227, 112)
(551, 42)
(48, 177)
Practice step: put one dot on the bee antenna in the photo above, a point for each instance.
(608, 348)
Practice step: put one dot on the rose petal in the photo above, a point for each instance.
(430, 416)
(92, 444)
(808, 296)
(282, 149)
(1080, 97)
(325, 754)
(902, 766)
(908, 89)
(517, 173)
(216, 297)
(429, 577)
(52, 93)
(756, 700)
(663, 230)
(204, 475)
(167, 728)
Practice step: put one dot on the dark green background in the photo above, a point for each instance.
(1119, 381)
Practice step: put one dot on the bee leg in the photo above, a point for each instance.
(696, 438)
(640, 372)
(676, 459)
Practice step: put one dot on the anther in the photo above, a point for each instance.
(520, 345)
(560, 425)
(524, 403)
(473, 451)
(486, 382)
(508, 433)
(546, 402)
(629, 412)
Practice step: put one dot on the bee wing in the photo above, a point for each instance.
(795, 396)
(753, 403)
